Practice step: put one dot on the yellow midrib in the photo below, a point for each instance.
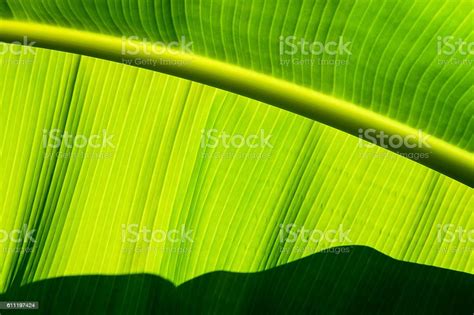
(444, 157)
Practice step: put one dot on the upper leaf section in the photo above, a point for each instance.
(410, 61)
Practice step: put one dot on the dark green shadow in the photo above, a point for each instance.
(362, 281)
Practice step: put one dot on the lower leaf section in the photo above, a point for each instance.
(342, 280)
(119, 170)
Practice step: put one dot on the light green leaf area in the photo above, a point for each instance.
(160, 175)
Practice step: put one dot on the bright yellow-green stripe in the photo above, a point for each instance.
(444, 157)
